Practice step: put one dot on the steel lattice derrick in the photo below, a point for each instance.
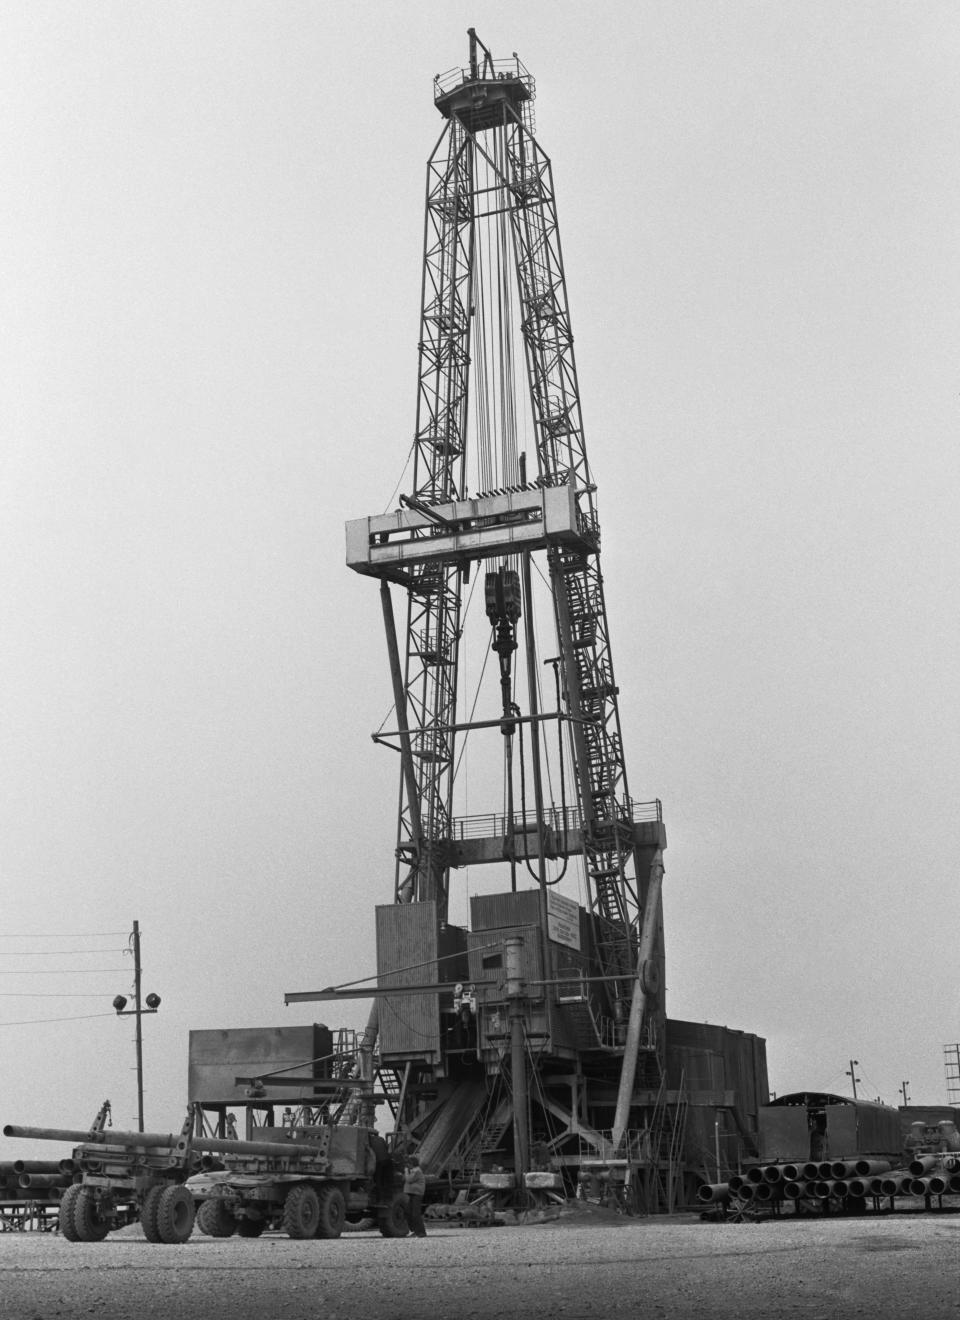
(445, 321)
(434, 591)
(577, 583)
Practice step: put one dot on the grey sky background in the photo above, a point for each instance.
(210, 260)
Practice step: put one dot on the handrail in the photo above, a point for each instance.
(446, 82)
(495, 824)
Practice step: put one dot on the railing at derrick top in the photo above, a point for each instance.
(512, 68)
(557, 819)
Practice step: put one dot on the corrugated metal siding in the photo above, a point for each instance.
(878, 1130)
(531, 961)
(495, 911)
(407, 939)
(743, 1055)
(854, 1127)
(715, 1061)
(784, 1135)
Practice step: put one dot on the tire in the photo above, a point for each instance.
(333, 1212)
(68, 1204)
(148, 1213)
(250, 1228)
(392, 1219)
(175, 1214)
(87, 1224)
(214, 1218)
(301, 1212)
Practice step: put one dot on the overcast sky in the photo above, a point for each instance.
(210, 254)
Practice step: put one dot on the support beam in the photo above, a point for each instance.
(648, 942)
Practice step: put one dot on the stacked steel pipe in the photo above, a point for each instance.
(851, 1182)
(33, 1183)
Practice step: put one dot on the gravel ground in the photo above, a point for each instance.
(581, 1266)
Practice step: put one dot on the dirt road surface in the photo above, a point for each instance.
(901, 1266)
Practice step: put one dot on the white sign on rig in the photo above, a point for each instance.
(563, 920)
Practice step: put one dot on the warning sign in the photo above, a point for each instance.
(563, 920)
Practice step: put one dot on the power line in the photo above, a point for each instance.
(52, 953)
(68, 935)
(71, 971)
(37, 1022)
(51, 994)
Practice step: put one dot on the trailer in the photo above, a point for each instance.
(125, 1176)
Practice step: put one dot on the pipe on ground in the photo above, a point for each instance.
(709, 1193)
(867, 1168)
(923, 1164)
(842, 1168)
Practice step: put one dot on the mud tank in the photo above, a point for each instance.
(308, 1182)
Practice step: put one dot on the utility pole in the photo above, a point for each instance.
(153, 1003)
(137, 972)
(904, 1092)
(852, 1074)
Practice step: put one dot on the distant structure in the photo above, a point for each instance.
(951, 1065)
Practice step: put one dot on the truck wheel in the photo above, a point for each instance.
(68, 1203)
(148, 1213)
(301, 1212)
(215, 1219)
(332, 1212)
(392, 1219)
(87, 1224)
(175, 1214)
(250, 1228)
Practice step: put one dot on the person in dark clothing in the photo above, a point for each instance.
(383, 1171)
(414, 1187)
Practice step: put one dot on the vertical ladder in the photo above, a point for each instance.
(951, 1064)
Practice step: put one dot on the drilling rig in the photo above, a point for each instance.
(527, 1043)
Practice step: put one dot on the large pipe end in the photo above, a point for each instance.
(712, 1192)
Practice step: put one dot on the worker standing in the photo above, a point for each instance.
(414, 1187)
